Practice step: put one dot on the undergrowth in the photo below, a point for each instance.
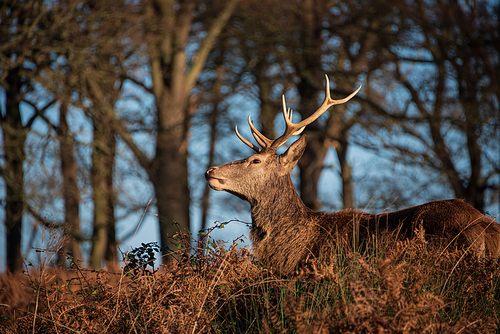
(386, 286)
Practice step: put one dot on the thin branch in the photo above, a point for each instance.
(207, 45)
(138, 83)
(143, 160)
(413, 92)
(42, 221)
(40, 113)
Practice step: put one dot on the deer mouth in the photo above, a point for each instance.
(221, 181)
(215, 183)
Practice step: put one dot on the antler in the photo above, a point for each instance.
(293, 129)
(262, 140)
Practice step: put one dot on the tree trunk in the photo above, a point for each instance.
(112, 244)
(475, 190)
(173, 76)
(101, 178)
(71, 194)
(267, 110)
(170, 180)
(311, 167)
(311, 163)
(14, 137)
(319, 141)
(345, 174)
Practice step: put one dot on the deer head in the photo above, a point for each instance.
(258, 175)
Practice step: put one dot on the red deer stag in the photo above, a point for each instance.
(285, 232)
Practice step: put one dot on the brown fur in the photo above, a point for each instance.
(285, 232)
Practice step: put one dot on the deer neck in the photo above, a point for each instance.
(278, 205)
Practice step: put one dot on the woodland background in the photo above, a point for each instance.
(106, 105)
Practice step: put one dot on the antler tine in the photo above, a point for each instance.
(287, 114)
(262, 140)
(293, 129)
(246, 142)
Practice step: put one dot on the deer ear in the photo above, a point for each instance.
(292, 155)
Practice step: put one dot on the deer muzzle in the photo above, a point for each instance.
(207, 174)
(213, 181)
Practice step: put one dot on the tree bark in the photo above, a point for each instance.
(173, 77)
(267, 110)
(103, 156)
(311, 163)
(171, 186)
(71, 193)
(111, 255)
(14, 138)
(345, 172)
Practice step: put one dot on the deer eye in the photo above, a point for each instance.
(256, 161)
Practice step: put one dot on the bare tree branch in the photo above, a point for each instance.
(208, 42)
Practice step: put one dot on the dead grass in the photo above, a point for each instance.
(387, 286)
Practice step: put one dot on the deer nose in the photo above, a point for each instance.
(207, 173)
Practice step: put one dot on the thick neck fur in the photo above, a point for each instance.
(274, 208)
(280, 222)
